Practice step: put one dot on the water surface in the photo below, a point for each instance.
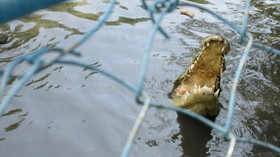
(70, 111)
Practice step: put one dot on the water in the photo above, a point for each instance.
(69, 111)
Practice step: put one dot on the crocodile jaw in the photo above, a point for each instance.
(197, 89)
(203, 101)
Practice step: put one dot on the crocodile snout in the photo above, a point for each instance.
(218, 40)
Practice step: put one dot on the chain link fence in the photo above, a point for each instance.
(157, 11)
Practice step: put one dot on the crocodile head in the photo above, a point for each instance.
(197, 89)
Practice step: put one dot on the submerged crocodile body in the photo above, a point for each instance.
(197, 89)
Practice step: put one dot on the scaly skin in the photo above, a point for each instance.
(198, 88)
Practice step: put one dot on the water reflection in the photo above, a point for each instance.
(14, 125)
(264, 22)
(38, 80)
(11, 112)
(126, 20)
(201, 1)
(256, 107)
(260, 85)
(257, 119)
(18, 36)
(266, 123)
(30, 27)
(69, 7)
(195, 135)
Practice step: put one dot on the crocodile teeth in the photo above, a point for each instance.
(192, 66)
(217, 93)
(204, 88)
(207, 44)
(186, 95)
(195, 86)
(198, 89)
(203, 48)
(223, 49)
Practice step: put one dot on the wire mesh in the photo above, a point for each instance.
(157, 11)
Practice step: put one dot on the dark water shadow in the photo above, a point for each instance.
(195, 135)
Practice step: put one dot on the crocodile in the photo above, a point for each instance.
(3, 38)
(198, 88)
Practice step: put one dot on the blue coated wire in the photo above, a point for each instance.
(235, 83)
(245, 20)
(99, 24)
(148, 49)
(137, 125)
(157, 10)
(6, 101)
(236, 28)
(135, 89)
(96, 69)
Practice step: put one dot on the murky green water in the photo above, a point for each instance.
(69, 111)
